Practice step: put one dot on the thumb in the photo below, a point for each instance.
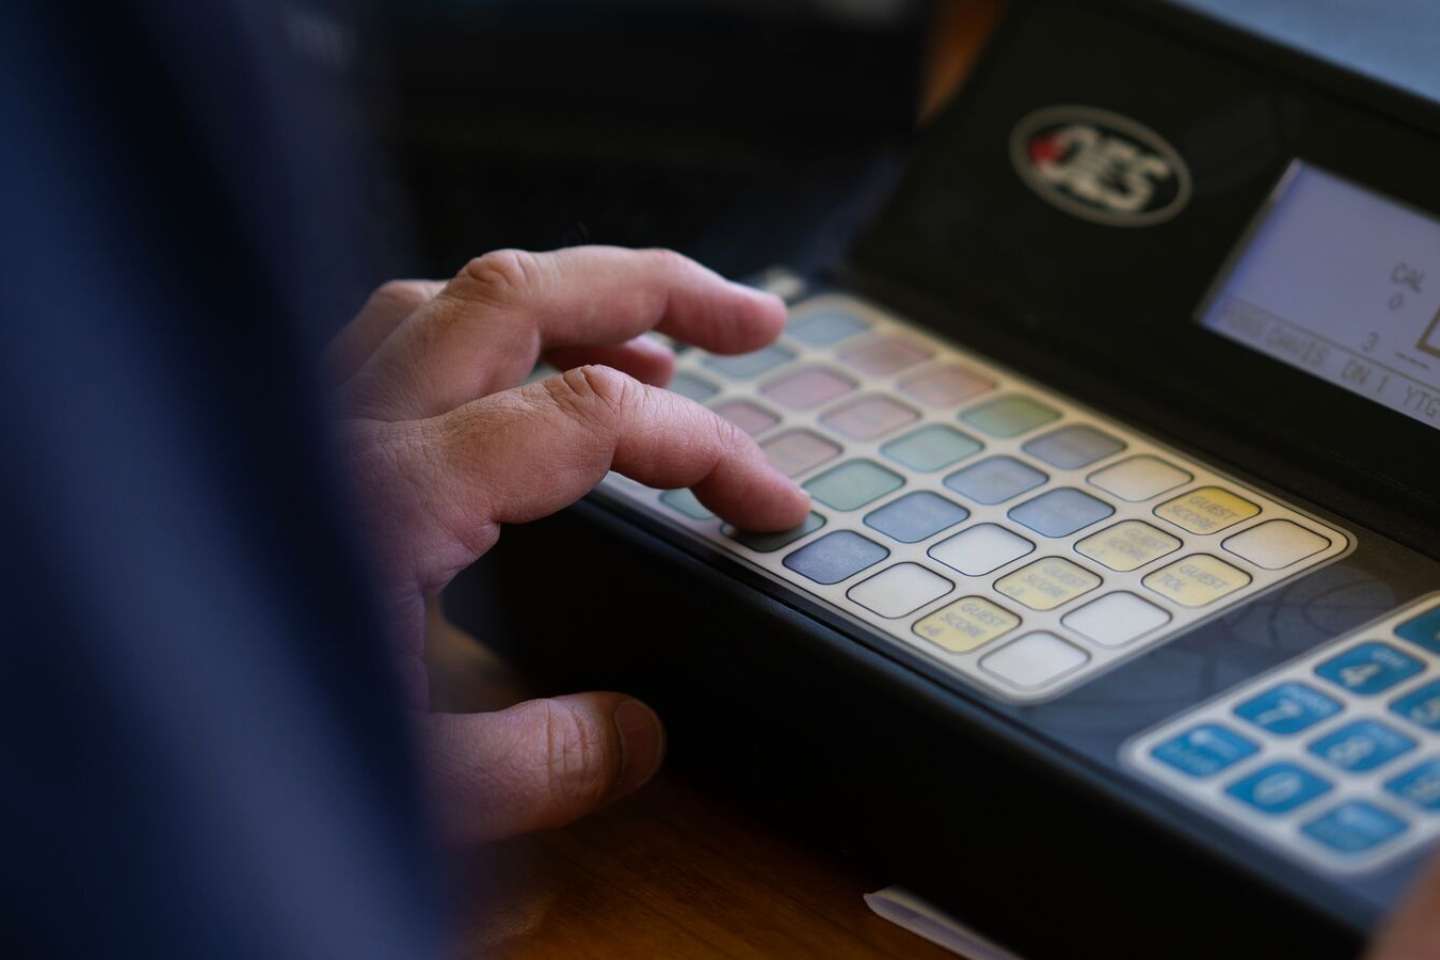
(1413, 932)
(539, 764)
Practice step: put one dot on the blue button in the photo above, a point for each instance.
(1205, 750)
(1369, 668)
(1289, 708)
(1362, 745)
(1421, 705)
(1059, 513)
(1423, 630)
(1418, 785)
(1355, 827)
(1278, 788)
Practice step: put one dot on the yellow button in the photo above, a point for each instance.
(1046, 584)
(967, 623)
(1206, 509)
(1128, 545)
(1196, 581)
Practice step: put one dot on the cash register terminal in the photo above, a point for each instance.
(1115, 627)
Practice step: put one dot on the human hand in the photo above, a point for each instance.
(1413, 932)
(445, 448)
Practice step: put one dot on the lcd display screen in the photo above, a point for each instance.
(1343, 283)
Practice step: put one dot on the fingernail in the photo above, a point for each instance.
(642, 744)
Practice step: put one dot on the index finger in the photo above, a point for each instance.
(486, 328)
(526, 453)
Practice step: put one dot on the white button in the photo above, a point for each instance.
(977, 551)
(1115, 619)
(1139, 478)
(902, 589)
(1034, 660)
(1276, 544)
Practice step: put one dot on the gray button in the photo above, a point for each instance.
(1072, 447)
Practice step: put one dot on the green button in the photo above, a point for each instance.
(853, 484)
(1010, 416)
(931, 448)
(685, 502)
(770, 542)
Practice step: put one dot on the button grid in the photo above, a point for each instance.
(1030, 443)
(1332, 758)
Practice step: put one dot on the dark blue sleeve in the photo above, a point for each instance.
(203, 750)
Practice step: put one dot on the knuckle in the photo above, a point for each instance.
(668, 261)
(593, 393)
(500, 276)
(728, 437)
(580, 759)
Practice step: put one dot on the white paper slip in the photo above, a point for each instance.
(904, 909)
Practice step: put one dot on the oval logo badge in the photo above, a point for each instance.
(1100, 166)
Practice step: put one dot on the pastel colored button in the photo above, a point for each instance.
(916, 516)
(853, 484)
(1035, 660)
(1116, 619)
(835, 557)
(995, 480)
(1355, 827)
(1421, 706)
(808, 387)
(1196, 581)
(794, 452)
(1139, 478)
(981, 549)
(898, 590)
(746, 365)
(1128, 545)
(869, 417)
(1275, 544)
(684, 501)
(1047, 583)
(770, 542)
(1206, 510)
(1419, 786)
(1059, 513)
(824, 327)
(1369, 668)
(1423, 630)
(967, 624)
(932, 447)
(747, 416)
(696, 388)
(1010, 416)
(1072, 447)
(882, 356)
(1205, 750)
(945, 386)
(1361, 746)
(1279, 788)
(1288, 709)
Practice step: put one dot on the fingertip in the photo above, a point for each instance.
(765, 317)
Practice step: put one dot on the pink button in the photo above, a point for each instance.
(880, 356)
(794, 452)
(747, 416)
(808, 387)
(945, 386)
(869, 417)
